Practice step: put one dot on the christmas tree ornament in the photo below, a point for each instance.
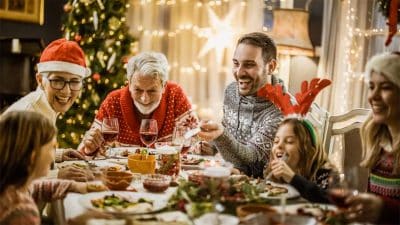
(101, 5)
(77, 37)
(96, 76)
(111, 61)
(67, 8)
(114, 23)
(95, 20)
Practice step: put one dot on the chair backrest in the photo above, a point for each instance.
(318, 117)
(348, 126)
(341, 124)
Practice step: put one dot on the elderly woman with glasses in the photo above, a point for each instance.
(60, 76)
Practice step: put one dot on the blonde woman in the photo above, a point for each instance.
(381, 132)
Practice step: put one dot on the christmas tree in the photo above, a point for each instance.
(99, 26)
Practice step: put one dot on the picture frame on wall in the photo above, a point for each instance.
(31, 11)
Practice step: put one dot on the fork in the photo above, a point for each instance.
(284, 158)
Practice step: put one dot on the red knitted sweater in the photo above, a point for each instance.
(119, 104)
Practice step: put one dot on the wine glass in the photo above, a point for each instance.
(110, 129)
(148, 131)
(342, 186)
(178, 138)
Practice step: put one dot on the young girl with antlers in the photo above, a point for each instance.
(297, 156)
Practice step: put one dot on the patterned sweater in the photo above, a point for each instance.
(313, 191)
(119, 104)
(18, 207)
(381, 180)
(250, 125)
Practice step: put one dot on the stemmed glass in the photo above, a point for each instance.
(148, 131)
(342, 186)
(110, 129)
(178, 138)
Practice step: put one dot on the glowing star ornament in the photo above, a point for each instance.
(220, 33)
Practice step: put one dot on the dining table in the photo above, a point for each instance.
(73, 204)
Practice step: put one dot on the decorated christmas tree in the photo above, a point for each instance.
(99, 26)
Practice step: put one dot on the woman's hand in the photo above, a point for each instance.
(281, 170)
(91, 142)
(363, 208)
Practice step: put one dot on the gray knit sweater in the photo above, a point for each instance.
(250, 124)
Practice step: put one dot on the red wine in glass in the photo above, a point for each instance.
(148, 138)
(110, 135)
(338, 196)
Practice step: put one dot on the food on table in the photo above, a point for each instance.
(169, 162)
(118, 203)
(95, 187)
(191, 160)
(117, 180)
(322, 213)
(274, 190)
(247, 209)
(156, 182)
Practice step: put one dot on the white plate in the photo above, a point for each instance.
(217, 219)
(158, 203)
(292, 192)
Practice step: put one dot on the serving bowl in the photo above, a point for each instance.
(156, 182)
(117, 180)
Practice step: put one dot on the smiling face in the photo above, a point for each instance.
(249, 69)
(286, 142)
(384, 98)
(146, 92)
(59, 100)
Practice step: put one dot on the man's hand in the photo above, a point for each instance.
(72, 154)
(73, 172)
(210, 130)
(91, 142)
(203, 148)
(281, 170)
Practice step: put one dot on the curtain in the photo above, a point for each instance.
(182, 29)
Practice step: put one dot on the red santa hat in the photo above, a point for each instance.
(63, 56)
(386, 63)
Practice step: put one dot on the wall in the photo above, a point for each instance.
(49, 31)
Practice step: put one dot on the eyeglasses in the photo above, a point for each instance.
(59, 84)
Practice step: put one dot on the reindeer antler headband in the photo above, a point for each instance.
(304, 98)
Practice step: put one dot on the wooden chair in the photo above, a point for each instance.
(318, 117)
(348, 126)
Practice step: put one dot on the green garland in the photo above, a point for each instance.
(384, 8)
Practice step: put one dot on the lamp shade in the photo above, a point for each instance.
(290, 32)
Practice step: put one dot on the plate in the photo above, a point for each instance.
(120, 152)
(291, 192)
(140, 208)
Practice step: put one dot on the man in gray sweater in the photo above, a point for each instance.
(246, 134)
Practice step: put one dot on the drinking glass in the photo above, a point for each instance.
(342, 186)
(148, 131)
(110, 129)
(178, 138)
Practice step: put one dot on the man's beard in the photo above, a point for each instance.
(146, 110)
